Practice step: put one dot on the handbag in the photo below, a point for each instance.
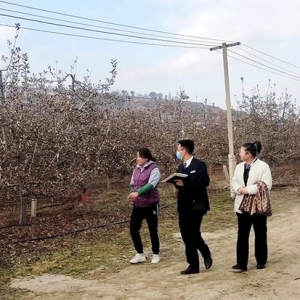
(259, 203)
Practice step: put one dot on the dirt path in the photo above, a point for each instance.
(280, 280)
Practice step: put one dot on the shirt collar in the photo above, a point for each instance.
(188, 162)
(248, 166)
(150, 162)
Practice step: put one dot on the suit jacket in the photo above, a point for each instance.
(193, 195)
(259, 171)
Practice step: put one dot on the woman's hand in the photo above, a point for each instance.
(133, 195)
(243, 191)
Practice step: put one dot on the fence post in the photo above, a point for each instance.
(33, 207)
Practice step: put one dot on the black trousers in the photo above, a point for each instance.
(150, 213)
(259, 222)
(190, 231)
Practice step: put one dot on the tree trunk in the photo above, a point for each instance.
(225, 170)
(175, 192)
(23, 210)
(86, 207)
(108, 182)
(210, 167)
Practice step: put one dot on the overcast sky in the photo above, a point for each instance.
(268, 26)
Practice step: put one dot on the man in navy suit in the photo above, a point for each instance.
(192, 205)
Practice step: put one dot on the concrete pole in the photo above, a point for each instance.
(33, 207)
(231, 156)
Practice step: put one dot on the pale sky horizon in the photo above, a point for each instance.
(270, 27)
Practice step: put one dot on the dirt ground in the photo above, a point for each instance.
(280, 279)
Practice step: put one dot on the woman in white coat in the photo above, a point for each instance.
(246, 174)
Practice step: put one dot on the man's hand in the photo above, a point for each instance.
(179, 182)
(133, 195)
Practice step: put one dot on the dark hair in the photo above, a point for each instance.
(145, 153)
(188, 145)
(253, 148)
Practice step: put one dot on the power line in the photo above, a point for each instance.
(138, 28)
(297, 76)
(269, 56)
(268, 61)
(263, 68)
(259, 67)
(135, 27)
(110, 23)
(103, 39)
(104, 32)
(97, 26)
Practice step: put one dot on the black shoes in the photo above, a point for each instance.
(238, 267)
(260, 266)
(189, 270)
(208, 262)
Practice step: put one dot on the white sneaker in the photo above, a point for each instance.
(155, 259)
(138, 258)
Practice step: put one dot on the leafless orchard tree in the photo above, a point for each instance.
(272, 119)
(58, 132)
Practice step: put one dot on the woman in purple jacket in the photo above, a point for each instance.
(145, 198)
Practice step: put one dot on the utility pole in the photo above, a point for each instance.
(231, 157)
